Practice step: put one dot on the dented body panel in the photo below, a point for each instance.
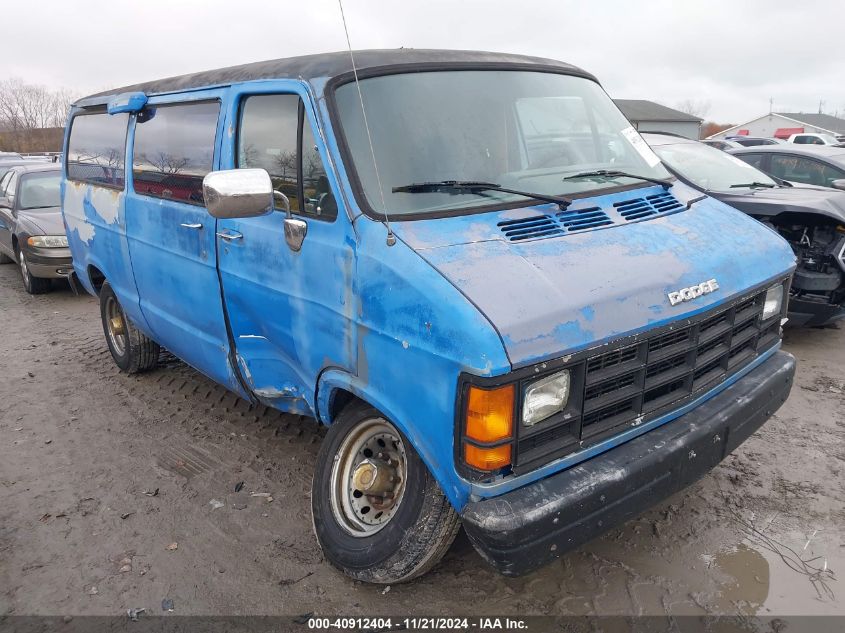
(399, 326)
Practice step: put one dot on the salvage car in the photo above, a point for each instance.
(811, 219)
(468, 265)
(809, 164)
(32, 232)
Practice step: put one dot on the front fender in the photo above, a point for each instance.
(391, 405)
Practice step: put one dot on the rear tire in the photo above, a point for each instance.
(132, 350)
(389, 537)
(33, 285)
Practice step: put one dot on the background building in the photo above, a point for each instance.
(783, 124)
(647, 116)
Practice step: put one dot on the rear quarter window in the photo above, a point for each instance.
(174, 150)
(97, 148)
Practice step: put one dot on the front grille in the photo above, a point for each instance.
(634, 383)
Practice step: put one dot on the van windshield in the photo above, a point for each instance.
(523, 130)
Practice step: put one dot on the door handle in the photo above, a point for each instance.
(189, 225)
(229, 235)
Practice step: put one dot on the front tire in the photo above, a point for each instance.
(379, 515)
(5, 259)
(33, 285)
(132, 350)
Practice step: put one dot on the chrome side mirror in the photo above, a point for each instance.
(838, 184)
(295, 229)
(238, 193)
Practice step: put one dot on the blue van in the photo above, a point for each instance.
(468, 265)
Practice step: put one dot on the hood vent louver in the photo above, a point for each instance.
(530, 228)
(582, 219)
(544, 226)
(640, 208)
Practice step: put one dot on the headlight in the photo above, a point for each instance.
(545, 397)
(48, 241)
(773, 302)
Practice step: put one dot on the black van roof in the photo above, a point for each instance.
(334, 64)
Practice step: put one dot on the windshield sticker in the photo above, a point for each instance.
(641, 146)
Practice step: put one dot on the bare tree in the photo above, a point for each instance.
(286, 162)
(28, 107)
(695, 107)
(25, 108)
(166, 163)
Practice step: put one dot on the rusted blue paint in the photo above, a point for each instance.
(127, 102)
(567, 293)
(394, 325)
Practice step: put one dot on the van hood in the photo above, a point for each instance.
(551, 296)
(771, 202)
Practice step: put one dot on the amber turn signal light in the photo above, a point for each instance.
(489, 419)
(490, 414)
(487, 458)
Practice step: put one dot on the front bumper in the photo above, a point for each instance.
(806, 313)
(528, 527)
(49, 263)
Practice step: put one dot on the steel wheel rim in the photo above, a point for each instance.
(116, 333)
(376, 442)
(24, 269)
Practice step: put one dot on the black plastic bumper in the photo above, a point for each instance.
(528, 527)
(804, 313)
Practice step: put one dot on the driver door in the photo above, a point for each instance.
(289, 308)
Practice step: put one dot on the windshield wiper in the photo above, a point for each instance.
(749, 185)
(474, 186)
(612, 173)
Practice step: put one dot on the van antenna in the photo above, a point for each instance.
(391, 238)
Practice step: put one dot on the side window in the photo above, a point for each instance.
(11, 186)
(755, 160)
(4, 182)
(798, 169)
(827, 173)
(275, 135)
(267, 139)
(174, 150)
(96, 149)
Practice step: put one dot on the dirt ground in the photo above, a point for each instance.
(108, 485)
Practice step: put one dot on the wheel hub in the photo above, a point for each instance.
(117, 325)
(374, 477)
(368, 478)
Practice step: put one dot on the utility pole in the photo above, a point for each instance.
(771, 104)
(821, 105)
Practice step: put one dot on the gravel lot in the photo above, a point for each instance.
(107, 482)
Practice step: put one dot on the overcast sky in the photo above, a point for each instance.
(734, 54)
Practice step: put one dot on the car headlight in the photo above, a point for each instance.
(773, 302)
(545, 397)
(48, 241)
